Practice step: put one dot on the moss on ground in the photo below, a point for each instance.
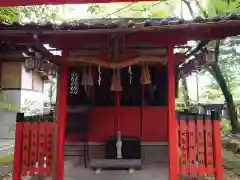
(231, 160)
(6, 159)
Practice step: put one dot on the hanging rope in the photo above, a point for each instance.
(90, 80)
(116, 84)
(145, 76)
(115, 65)
(84, 80)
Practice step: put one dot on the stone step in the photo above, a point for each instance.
(74, 150)
(115, 163)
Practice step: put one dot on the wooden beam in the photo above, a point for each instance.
(12, 60)
(11, 55)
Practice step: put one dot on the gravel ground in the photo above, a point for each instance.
(228, 175)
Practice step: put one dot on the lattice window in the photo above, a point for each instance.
(74, 83)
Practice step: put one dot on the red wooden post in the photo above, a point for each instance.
(217, 146)
(49, 126)
(61, 119)
(18, 147)
(183, 141)
(172, 123)
(209, 145)
(41, 147)
(33, 148)
(192, 145)
(142, 108)
(200, 146)
(26, 148)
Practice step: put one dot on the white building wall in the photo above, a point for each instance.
(18, 99)
(26, 78)
(32, 102)
(8, 114)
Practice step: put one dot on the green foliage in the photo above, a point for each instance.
(38, 14)
(41, 14)
(229, 63)
(6, 159)
(235, 141)
(231, 160)
(218, 7)
(5, 105)
(180, 106)
(225, 127)
(136, 10)
(9, 14)
(96, 9)
(212, 91)
(237, 2)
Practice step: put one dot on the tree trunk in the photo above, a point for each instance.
(217, 74)
(232, 113)
(185, 93)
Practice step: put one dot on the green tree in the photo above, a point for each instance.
(237, 2)
(38, 14)
(229, 63)
(136, 10)
(212, 8)
(226, 71)
(9, 14)
(212, 91)
(217, 7)
(43, 13)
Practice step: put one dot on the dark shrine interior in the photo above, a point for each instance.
(155, 94)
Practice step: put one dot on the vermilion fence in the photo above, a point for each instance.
(198, 135)
(33, 155)
(199, 145)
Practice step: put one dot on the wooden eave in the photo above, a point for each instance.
(158, 32)
(175, 31)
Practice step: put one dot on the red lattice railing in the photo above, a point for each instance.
(33, 155)
(199, 145)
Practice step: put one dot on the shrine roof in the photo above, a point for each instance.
(196, 29)
(129, 24)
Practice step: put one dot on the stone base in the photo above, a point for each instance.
(151, 153)
(115, 163)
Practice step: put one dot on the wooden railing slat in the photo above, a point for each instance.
(202, 147)
(33, 148)
(192, 148)
(184, 168)
(25, 149)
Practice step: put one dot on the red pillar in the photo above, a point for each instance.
(172, 123)
(142, 109)
(118, 128)
(62, 86)
(18, 147)
(217, 145)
